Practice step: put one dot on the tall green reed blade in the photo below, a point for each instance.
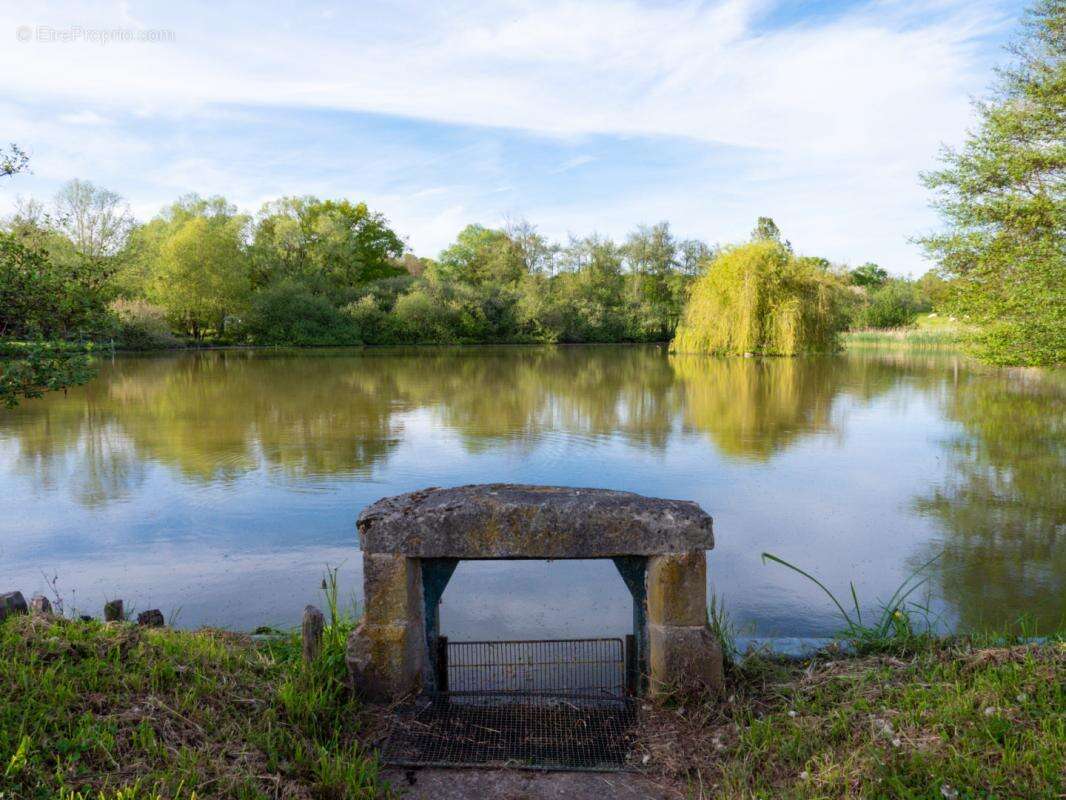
(855, 627)
(847, 618)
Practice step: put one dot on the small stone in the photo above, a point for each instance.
(40, 605)
(12, 603)
(113, 611)
(948, 792)
(805, 775)
(990, 711)
(152, 618)
(791, 713)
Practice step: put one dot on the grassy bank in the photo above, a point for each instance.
(94, 710)
(928, 331)
(939, 720)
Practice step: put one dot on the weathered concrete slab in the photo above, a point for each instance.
(518, 521)
(503, 784)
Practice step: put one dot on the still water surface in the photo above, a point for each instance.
(219, 485)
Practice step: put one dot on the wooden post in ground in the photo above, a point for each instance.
(113, 611)
(313, 624)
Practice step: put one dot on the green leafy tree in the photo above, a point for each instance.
(31, 290)
(1003, 197)
(893, 305)
(651, 252)
(536, 253)
(50, 286)
(934, 288)
(481, 255)
(759, 298)
(869, 274)
(330, 246)
(31, 294)
(195, 265)
(585, 300)
(766, 230)
(40, 368)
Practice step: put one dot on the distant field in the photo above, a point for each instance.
(929, 330)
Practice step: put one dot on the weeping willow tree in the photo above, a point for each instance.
(760, 298)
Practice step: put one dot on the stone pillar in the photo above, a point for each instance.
(683, 654)
(386, 653)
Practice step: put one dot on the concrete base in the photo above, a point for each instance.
(683, 660)
(386, 662)
(503, 784)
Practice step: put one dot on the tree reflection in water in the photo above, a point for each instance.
(296, 419)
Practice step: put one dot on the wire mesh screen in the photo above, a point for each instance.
(515, 731)
(586, 667)
(558, 704)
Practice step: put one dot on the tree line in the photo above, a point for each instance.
(305, 271)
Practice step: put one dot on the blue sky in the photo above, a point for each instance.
(578, 116)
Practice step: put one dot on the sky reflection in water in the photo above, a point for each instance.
(222, 483)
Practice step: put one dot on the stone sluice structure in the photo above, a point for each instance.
(412, 543)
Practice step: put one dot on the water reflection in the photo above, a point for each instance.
(1002, 505)
(753, 408)
(216, 416)
(862, 463)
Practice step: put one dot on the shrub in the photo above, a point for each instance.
(375, 325)
(423, 318)
(287, 313)
(759, 298)
(384, 292)
(893, 305)
(139, 325)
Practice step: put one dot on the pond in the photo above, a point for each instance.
(219, 485)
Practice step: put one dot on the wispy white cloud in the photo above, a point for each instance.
(840, 110)
(83, 118)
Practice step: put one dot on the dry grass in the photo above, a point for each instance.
(982, 722)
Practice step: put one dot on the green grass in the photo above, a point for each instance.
(911, 715)
(91, 710)
(928, 331)
(965, 718)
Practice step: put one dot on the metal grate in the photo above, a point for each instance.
(557, 704)
(593, 667)
(520, 732)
